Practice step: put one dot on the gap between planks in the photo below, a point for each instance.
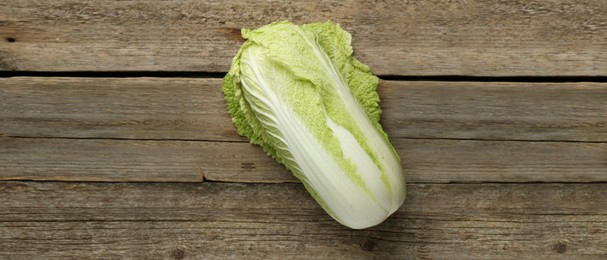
(220, 75)
(246, 141)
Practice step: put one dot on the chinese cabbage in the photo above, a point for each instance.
(298, 93)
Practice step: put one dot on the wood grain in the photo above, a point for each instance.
(135, 108)
(495, 111)
(194, 109)
(425, 161)
(213, 220)
(102, 160)
(474, 37)
(152, 168)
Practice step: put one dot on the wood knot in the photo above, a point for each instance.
(10, 39)
(369, 245)
(560, 247)
(178, 254)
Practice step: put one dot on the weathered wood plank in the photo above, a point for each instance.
(102, 160)
(184, 108)
(492, 110)
(488, 38)
(140, 108)
(424, 160)
(170, 220)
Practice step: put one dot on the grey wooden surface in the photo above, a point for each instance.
(432, 37)
(230, 220)
(115, 141)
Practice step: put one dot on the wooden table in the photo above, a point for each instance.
(115, 141)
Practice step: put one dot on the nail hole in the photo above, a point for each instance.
(560, 247)
(248, 166)
(368, 245)
(178, 254)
